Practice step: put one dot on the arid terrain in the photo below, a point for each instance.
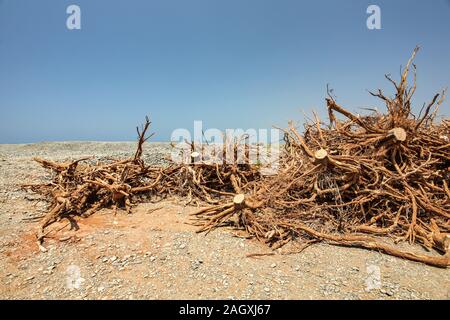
(154, 253)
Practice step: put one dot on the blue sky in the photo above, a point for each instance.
(232, 64)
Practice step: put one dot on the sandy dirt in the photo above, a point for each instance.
(154, 253)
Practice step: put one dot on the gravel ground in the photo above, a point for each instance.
(156, 254)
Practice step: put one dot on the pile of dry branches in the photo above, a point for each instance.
(351, 182)
(210, 176)
(81, 188)
(356, 179)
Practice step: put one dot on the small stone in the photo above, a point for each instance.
(273, 265)
(152, 258)
(182, 246)
(266, 289)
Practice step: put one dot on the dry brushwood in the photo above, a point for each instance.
(82, 188)
(349, 183)
(210, 176)
(356, 180)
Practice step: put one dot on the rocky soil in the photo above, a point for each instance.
(154, 253)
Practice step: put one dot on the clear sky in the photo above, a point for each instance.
(230, 63)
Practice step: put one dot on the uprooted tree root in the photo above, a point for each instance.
(80, 188)
(350, 183)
